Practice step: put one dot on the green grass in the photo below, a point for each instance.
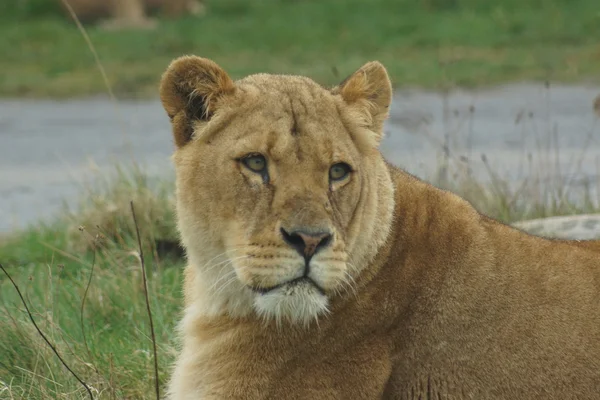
(428, 43)
(115, 358)
(108, 343)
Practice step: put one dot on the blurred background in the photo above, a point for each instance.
(494, 100)
(511, 79)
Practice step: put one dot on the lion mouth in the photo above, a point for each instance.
(290, 284)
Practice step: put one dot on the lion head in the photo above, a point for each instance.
(283, 198)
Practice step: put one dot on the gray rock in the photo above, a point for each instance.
(578, 227)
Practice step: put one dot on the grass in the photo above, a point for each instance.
(108, 345)
(85, 288)
(426, 43)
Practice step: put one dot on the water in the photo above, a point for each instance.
(48, 149)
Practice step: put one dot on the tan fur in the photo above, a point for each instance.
(131, 13)
(423, 297)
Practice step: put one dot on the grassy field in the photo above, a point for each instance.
(429, 43)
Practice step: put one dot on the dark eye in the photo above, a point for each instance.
(339, 171)
(256, 163)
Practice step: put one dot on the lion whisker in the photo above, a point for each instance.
(226, 263)
(229, 282)
(238, 248)
(225, 276)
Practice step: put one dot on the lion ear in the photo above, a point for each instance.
(190, 90)
(368, 92)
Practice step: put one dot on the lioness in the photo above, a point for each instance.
(317, 270)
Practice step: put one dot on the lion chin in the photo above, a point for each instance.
(298, 301)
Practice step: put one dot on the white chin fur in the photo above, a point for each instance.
(301, 303)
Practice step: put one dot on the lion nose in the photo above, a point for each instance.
(307, 243)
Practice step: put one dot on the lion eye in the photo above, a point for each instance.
(339, 171)
(256, 163)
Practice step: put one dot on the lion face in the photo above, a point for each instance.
(273, 176)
